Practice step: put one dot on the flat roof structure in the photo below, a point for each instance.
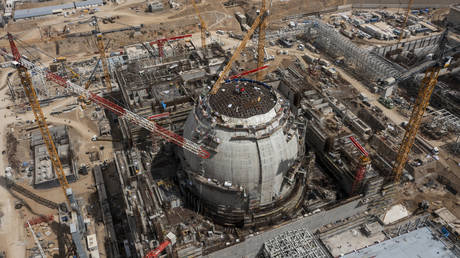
(418, 243)
(41, 11)
(48, 10)
(88, 3)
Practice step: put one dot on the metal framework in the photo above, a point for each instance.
(295, 243)
(423, 99)
(445, 119)
(161, 42)
(42, 253)
(118, 110)
(39, 117)
(366, 63)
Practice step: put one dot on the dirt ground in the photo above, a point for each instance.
(14, 238)
(157, 25)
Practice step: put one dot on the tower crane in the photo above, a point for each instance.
(101, 48)
(262, 15)
(364, 161)
(37, 242)
(261, 43)
(160, 42)
(170, 240)
(428, 83)
(203, 27)
(403, 27)
(29, 90)
(130, 116)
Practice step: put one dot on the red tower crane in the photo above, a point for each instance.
(118, 110)
(364, 161)
(248, 72)
(170, 239)
(161, 42)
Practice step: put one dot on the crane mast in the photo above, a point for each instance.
(261, 43)
(203, 26)
(403, 27)
(101, 48)
(428, 83)
(39, 116)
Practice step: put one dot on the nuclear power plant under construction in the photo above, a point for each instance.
(230, 129)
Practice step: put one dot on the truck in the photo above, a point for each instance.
(285, 43)
(386, 102)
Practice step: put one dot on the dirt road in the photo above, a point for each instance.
(11, 227)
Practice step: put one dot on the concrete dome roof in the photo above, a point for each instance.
(252, 154)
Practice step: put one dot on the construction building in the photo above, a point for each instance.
(44, 175)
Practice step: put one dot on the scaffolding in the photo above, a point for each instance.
(446, 120)
(367, 63)
(294, 243)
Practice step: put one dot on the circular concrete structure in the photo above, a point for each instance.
(248, 129)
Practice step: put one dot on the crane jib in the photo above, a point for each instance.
(120, 111)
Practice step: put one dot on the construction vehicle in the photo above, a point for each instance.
(118, 110)
(262, 14)
(18, 205)
(386, 102)
(364, 161)
(203, 27)
(170, 240)
(160, 42)
(60, 59)
(101, 48)
(426, 89)
(75, 75)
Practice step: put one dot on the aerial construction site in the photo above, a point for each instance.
(229, 128)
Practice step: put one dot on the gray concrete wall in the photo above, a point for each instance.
(251, 246)
(454, 15)
(421, 43)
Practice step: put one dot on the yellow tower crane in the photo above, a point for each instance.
(203, 26)
(262, 14)
(261, 43)
(423, 98)
(40, 118)
(403, 27)
(100, 46)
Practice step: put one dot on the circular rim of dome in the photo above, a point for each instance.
(243, 98)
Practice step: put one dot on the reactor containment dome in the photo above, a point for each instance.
(250, 132)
